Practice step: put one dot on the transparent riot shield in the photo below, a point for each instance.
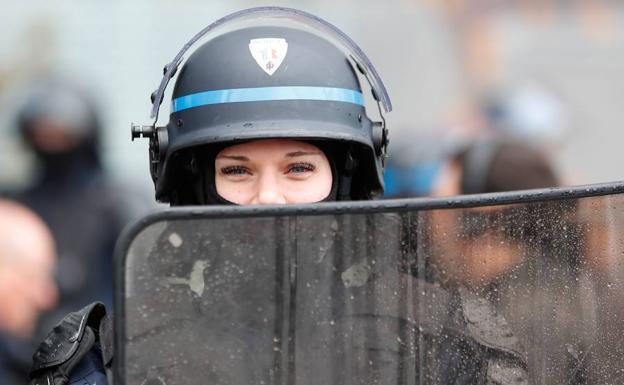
(511, 288)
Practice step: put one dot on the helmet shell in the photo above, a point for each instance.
(224, 95)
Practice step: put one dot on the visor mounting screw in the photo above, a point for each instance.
(360, 68)
(179, 122)
(153, 97)
(166, 68)
(375, 95)
(360, 118)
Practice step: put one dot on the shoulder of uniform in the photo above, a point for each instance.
(90, 370)
(487, 326)
(506, 362)
(65, 338)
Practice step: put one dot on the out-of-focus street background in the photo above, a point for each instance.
(440, 60)
(558, 63)
(488, 95)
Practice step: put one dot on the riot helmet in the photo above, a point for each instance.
(60, 122)
(268, 73)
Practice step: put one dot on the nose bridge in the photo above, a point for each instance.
(269, 189)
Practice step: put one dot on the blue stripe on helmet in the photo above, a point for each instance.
(262, 94)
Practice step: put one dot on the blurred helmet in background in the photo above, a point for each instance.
(59, 122)
(529, 112)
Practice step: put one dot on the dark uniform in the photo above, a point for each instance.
(14, 360)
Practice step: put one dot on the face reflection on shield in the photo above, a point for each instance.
(275, 171)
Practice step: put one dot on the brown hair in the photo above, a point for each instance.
(505, 166)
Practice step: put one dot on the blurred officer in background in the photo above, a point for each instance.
(487, 167)
(27, 288)
(519, 256)
(82, 206)
(529, 116)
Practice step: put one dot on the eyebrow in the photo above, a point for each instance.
(234, 157)
(295, 154)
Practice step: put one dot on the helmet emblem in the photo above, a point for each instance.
(268, 53)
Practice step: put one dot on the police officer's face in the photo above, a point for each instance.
(273, 171)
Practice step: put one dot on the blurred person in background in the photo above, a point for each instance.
(486, 167)
(524, 258)
(418, 162)
(529, 115)
(530, 112)
(83, 207)
(602, 282)
(27, 287)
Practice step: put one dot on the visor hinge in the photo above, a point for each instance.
(140, 131)
(158, 143)
(380, 138)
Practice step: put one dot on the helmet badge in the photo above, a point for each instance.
(268, 53)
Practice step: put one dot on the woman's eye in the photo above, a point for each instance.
(300, 168)
(234, 170)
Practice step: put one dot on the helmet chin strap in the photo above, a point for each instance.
(345, 178)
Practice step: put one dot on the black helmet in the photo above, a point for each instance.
(269, 73)
(72, 110)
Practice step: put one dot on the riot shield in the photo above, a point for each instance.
(511, 288)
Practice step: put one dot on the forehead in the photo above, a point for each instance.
(269, 146)
(25, 238)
